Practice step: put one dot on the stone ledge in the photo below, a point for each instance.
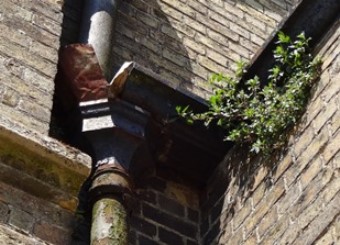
(47, 160)
(9, 236)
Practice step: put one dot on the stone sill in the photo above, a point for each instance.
(57, 170)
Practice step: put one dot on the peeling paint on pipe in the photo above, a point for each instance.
(97, 29)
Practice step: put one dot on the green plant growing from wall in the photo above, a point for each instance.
(259, 114)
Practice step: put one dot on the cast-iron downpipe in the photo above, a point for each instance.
(97, 27)
(110, 182)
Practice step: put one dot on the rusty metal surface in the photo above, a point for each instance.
(79, 66)
(110, 179)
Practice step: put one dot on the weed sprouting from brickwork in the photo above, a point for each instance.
(259, 113)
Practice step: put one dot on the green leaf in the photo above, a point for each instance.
(261, 115)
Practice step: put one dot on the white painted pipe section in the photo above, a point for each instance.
(97, 29)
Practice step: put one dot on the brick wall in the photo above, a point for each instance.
(296, 199)
(164, 212)
(29, 43)
(185, 41)
(26, 219)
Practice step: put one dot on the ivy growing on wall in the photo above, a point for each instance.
(259, 114)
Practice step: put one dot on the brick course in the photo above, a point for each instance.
(29, 43)
(189, 40)
(35, 219)
(160, 214)
(294, 201)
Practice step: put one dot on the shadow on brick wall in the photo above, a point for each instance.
(229, 188)
(147, 35)
(59, 128)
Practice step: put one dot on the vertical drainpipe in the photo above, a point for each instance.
(98, 22)
(110, 182)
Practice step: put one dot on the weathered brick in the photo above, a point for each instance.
(175, 58)
(169, 221)
(15, 35)
(256, 5)
(314, 108)
(170, 205)
(212, 234)
(132, 23)
(192, 215)
(38, 112)
(4, 212)
(142, 225)
(332, 148)
(321, 223)
(169, 237)
(222, 36)
(47, 24)
(331, 189)
(218, 58)
(335, 123)
(239, 30)
(52, 233)
(10, 97)
(44, 51)
(242, 214)
(29, 92)
(171, 12)
(200, 71)
(258, 194)
(22, 220)
(256, 39)
(324, 116)
(312, 170)
(248, 44)
(147, 196)
(195, 25)
(194, 46)
(310, 193)
(332, 235)
(220, 19)
(185, 9)
(146, 241)
(276, 230)
(215, 212)
(23, 55)
(211, 65)
(263, 207)
(191, 242)
(204, 226)
(268, 220)
(198, 6)
(15, 11)
(9, 236)
(289, 235)
(255, 22)
(240, 50)
(290, 197)
(147, 19)
(318, 143)
(303, 141)
(237, 238)
(171, 81)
